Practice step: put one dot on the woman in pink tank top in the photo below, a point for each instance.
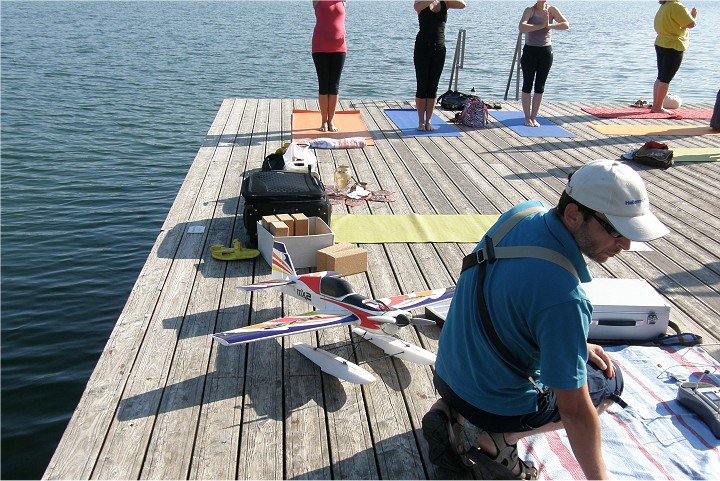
(328, 52)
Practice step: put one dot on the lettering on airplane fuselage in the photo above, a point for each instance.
(305, 295)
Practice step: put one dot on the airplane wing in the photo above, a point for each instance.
(284, 326)
(266, 284)
(418, 299)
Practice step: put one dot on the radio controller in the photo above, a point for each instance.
(704, 400)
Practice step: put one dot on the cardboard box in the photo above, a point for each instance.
(279, 229)
(344, 258)
(302, 249)
(301, 224)
(267, 220)
(289, 222)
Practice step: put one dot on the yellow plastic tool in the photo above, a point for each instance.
(234, 253)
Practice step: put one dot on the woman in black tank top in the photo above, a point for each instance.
(429, 55)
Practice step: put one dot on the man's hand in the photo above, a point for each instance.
(598, 356)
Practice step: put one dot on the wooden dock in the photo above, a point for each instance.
(167, 402)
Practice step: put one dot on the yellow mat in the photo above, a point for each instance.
(696, 154)
(628, 129)
(306, 124)
(378, 229)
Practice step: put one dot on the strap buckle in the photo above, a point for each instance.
(490, 249)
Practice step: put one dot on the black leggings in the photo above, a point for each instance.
(668, 63)
(429, 62)
(328, 66)
(535, 63)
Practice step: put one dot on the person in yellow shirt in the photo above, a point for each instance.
(672, 22)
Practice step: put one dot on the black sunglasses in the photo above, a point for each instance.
(607, 226)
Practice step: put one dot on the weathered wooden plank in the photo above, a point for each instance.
(218, 421)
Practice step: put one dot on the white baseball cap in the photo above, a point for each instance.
(613, 188)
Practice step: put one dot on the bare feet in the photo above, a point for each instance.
(331, 127)
(323, 127)
(660, 111)
(535, 123)
(421, 127)
(428, 126)
(529, 123)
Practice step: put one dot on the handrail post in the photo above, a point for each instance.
(458, 59)
(516, 55)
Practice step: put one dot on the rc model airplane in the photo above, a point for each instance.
(337, 304)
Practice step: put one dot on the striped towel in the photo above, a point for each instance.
(655, 437)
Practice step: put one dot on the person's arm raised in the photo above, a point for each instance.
(560, 22)
(455, 3)
(421, 5)
(526, 27)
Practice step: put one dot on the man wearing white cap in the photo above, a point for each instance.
(513, 356)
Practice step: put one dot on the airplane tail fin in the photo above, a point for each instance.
(282, 266)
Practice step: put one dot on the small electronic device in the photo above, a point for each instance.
(704, 400)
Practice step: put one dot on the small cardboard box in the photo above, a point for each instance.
(289, 222)
(267, 220)
(301, 223)
(302, 249)
(344, 258)
(279, 229)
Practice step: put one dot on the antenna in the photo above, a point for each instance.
(698, 382)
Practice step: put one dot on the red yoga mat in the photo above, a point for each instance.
(641, 113)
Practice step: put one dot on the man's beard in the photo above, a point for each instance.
(590, 248)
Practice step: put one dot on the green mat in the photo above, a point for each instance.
(696, 154)
(378, 229)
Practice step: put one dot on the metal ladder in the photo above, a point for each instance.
(516, 56)
(458, 60)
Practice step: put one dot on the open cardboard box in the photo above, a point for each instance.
(302, 249)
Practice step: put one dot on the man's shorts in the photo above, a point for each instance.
(601, 388)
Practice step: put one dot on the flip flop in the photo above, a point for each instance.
(378, 198)
(234, 253)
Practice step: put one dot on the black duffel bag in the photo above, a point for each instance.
(454, 100)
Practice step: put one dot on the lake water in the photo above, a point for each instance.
(104, 105)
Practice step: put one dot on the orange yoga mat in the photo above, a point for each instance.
(306, 124)
(628, 129)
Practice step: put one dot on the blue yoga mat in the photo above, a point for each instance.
(516, 122)
(407, 121)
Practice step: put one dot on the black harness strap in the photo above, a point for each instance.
(489, 254)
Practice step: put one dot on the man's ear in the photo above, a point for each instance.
(572, 217)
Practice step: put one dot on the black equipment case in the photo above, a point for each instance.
(280, 192)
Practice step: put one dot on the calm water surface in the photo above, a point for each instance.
(104, 105)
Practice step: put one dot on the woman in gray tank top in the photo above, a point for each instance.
(537, 23)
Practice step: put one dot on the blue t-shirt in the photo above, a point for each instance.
(539, 311)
